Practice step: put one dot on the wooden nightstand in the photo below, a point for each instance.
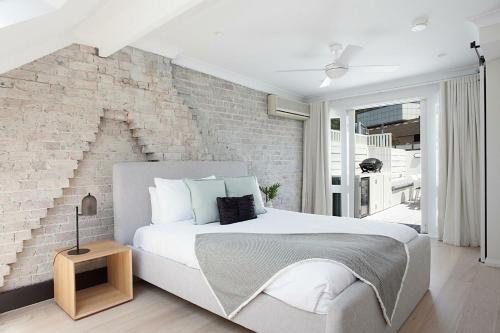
(117, 290)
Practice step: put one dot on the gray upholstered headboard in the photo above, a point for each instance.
(131, 202)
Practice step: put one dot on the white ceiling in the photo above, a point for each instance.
(35, 28)
(257, 37)
(44, 33)
(15, 11)
(261, 36)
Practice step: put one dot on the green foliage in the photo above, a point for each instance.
(270, 192)
(335, 124)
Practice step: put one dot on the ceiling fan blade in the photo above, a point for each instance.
(326, 82)
(301, 70)
(375, 68)
(349, 53)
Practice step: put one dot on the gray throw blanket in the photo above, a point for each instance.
(238, 266)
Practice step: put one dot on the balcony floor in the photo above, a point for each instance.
(407, 213)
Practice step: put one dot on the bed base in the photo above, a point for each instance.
(356, 309)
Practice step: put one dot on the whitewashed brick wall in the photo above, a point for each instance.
(234, 125)
(113, 144)
(67, 117)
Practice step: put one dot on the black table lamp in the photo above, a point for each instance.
(89, 208)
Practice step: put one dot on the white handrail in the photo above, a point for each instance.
(375, 140)
(336, 135)
(380, 140)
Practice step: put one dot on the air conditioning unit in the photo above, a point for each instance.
(280, 107)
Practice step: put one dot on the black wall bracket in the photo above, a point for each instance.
(476, 47)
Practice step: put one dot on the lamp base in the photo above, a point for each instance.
(76, 252)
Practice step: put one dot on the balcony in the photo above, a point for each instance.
(373, 140)
(398, 199)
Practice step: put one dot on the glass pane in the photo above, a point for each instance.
(336, 152)
(336, 180)
(337, 204)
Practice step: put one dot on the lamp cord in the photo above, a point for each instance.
(70, 248)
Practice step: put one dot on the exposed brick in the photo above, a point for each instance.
(74, 106)
(6, 82)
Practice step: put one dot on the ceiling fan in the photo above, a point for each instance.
(340, 65)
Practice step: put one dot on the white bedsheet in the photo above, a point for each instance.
(310, 286)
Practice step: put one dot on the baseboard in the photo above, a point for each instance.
(20, 297)
(492, 262)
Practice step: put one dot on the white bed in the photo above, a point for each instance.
(331, 300)
(297, 287)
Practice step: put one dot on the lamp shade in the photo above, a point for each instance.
(89, 205)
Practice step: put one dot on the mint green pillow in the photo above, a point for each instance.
(204, 195)
(240, 186)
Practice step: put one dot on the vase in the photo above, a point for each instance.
(269, 204)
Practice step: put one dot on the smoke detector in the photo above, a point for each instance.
(419, 24)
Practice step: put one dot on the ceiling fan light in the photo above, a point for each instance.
(335, 72)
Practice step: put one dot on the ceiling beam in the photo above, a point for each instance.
(118, 24)
(31, 39)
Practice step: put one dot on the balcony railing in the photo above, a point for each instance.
(336, 136)
(380, 140)
(374, 140)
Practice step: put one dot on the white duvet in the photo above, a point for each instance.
(310, 286)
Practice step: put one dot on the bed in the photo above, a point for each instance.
(354, 309)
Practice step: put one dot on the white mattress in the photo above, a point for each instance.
(298, 287)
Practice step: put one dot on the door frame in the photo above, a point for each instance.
(428, 96)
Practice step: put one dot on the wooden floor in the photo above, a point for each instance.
(408, 212)
(464, 297)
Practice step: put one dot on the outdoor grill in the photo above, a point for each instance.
(371, 165)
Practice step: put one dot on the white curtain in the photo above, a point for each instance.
(316, 180)
(459, 169)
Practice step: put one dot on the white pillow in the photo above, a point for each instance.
(174, 200)
(155, 209)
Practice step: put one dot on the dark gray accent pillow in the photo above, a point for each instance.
(236, 209)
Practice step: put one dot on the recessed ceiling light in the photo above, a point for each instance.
(218, 33)
(419, 24)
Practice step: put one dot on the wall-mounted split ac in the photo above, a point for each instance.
(280, 107)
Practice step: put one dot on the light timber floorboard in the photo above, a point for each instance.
(464, 297)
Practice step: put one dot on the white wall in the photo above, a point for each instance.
(429, 97)
(384, 154)
(399, 163)
(493, 161)
(414, 163)
(361, 153)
